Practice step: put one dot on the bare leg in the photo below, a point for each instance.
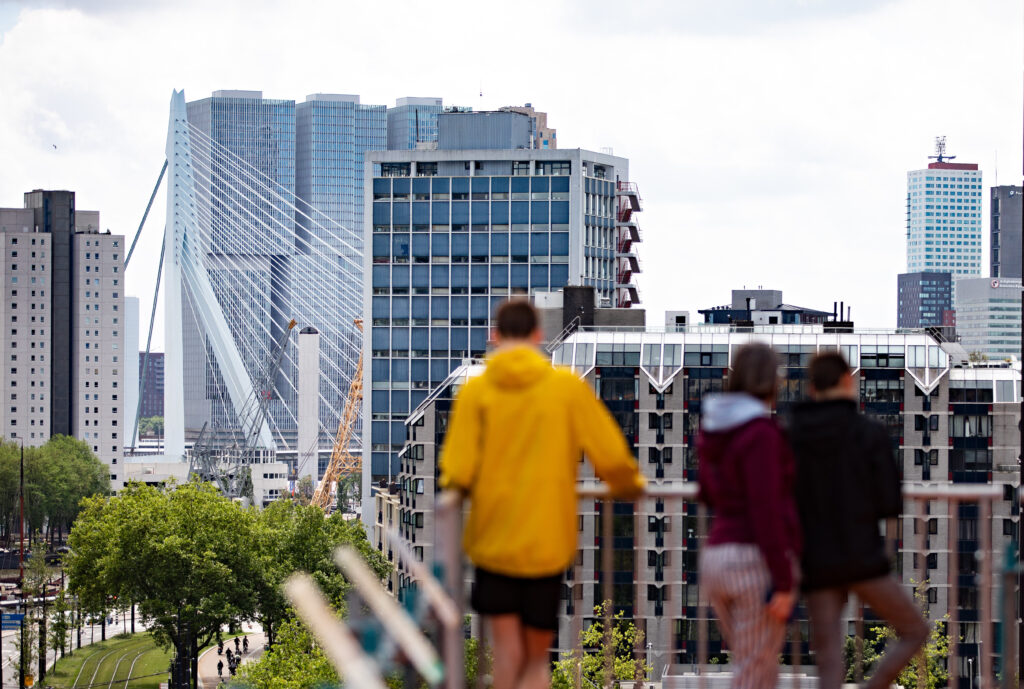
(509, 652)
(825, 607)
(536, 663)
(890, 601)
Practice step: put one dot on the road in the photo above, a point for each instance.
(208, 678)
(90, 633)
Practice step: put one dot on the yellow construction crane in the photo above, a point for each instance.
(343, 463)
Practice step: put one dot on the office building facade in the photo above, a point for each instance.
(63, 313)
(944, 219)
(450, 234)
(988, 317)
(924, 299)
(947, 424)
(412, 122)
(1005, 219)
(333, 132)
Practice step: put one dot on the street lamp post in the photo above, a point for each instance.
(970, 673)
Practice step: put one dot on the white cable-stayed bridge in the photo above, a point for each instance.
(242, 257)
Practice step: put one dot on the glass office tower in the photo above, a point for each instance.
(251, 280)
(450, 234)
(412, 121)
(333, 134)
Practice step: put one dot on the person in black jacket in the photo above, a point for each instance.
(847, 481)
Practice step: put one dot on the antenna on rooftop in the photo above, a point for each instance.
(940, 150)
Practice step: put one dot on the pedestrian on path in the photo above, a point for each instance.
(746, 478)
(245, 644)
(513, 446)
(220, 668)
(236, 644)
(847, 480)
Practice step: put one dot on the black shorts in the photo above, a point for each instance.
(534, 600)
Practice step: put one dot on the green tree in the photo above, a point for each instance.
(293, 537)
(294, 662)
(151, 426)
(58, 474)
(60, 623)
(349, 488)
(34, 583)
(472, 658)
(625, 638)
(30, 633)
(304, 490)
(68, 472)
(184, 553)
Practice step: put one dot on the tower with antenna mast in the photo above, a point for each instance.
(940, 151)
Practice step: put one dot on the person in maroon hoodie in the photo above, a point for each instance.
(748, 566)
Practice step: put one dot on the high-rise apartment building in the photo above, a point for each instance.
(924, 300)
(63, 315)
(413, 121)
(988, 316)
(1005, 220)
(944, 218)
(541, 135)
(151, 373)
(451, 233)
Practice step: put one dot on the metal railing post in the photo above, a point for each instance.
(922, 572)
(858, 641)
(607, 590)
(985, 652)
(703, 609)
(449, 527)
(1009, 607)
(953, 625)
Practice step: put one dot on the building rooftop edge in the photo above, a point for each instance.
(952, 166)
(406, 155)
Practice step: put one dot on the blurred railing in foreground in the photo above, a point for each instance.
(917, 498)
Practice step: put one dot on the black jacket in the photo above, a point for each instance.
(846, 481)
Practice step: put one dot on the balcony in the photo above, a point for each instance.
(630, 193)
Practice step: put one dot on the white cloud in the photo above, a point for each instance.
(770, 139)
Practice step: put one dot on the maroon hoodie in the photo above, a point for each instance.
(746, 476)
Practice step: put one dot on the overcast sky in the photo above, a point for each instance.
(770, 138)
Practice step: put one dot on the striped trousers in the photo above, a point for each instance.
(736, 581)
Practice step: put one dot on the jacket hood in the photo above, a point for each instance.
(516, 367)
(820, 420)
(730, 410)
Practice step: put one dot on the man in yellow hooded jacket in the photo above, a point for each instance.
(514, 443)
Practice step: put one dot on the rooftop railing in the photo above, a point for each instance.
(918, 499)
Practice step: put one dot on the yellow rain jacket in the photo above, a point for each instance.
(513, 445)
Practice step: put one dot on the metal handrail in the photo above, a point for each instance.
(914, 493)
